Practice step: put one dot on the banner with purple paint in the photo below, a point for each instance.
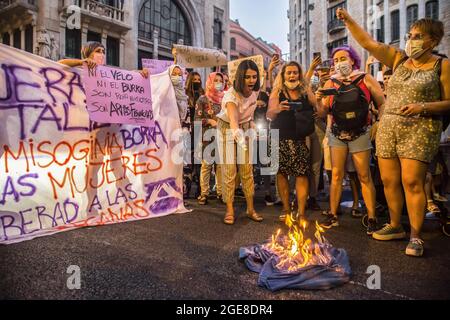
(156, 66)
(118, 96)
(60, 171)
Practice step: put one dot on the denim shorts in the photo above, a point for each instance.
(360, 144)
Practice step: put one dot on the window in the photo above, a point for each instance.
(335, 44)
(29, 38)
(113, 3)
(380, 30)
(94, 36)
(217, 32)
(17, 39)
(395, 25)
(332, 11)
(233, 44)
(6, 39)
(167, 18)
(411, 15)
(112, 51)
(432, 10)
(73, 43)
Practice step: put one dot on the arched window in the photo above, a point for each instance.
(233, 44)
(167, 18)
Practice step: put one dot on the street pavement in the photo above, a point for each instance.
(195, 256)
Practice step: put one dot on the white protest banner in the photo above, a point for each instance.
(234, 64)
(118, 96)
(60, 171)
(194, 57)
(156, 66)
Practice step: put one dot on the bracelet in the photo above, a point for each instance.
(424, 110)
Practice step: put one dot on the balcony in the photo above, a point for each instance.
(101, 12)
(17, 7)
(335, 26)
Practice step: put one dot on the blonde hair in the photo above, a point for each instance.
(278, 85)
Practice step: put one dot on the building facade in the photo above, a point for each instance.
(129, 29)
(387, 20)
(243, 44)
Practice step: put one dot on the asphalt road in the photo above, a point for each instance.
(195, 256)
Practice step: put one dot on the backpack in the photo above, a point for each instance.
(350, 107)
(445, 117)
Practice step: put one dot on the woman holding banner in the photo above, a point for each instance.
(93, 54)
(236, 116)
(206, 110)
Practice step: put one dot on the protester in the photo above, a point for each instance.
(238, 106)
(175, 73)
(350, 129)
(291, 109)
(206, 110)
(410, 127)
(93, 55)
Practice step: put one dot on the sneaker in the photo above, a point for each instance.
(389, 233)
(278, 202)
(330, 221)
(269, 200)
(415, 247)
(372, 226)
(202, 200)
(312, 204)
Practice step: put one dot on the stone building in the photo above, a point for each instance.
(129, 29)
(387, 20)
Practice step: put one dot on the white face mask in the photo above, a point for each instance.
(292, 85)
(414, 48)
(344, 68)
(315, 81)
(218, 86)
(176, 80)
(99, 58)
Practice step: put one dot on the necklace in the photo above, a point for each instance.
(418, 67)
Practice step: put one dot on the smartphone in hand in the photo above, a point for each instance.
(329, 92)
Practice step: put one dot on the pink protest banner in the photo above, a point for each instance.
(156, 66)
(118, 96)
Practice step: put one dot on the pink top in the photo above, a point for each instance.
(246, 106)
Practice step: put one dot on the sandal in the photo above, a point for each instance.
(229, 219)
(356, 213)
(202, 200)
(283, 215)
(255, 217)
(432, 207)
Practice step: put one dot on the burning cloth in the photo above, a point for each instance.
(297, 262)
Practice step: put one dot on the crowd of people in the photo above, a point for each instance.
(333, 119)
(342, 121)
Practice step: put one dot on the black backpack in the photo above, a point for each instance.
(350, 107)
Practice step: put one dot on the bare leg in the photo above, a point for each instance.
(362, 165)
(390, 171)
(413, 179)
(338, 157)
(301, 186)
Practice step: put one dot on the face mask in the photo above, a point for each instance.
(344, 68)
(99, 58)
(218, 86)
(196, 85)
(292, 85)
(176, 80)
(414, 48)
(315, 81)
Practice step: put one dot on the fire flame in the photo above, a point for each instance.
(295, 250)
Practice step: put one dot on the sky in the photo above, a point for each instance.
(263, 18)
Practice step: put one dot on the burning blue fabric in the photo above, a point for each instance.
(334, 272)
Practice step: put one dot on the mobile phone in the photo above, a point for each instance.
(295, 105)
(317, 54)
(329, 92)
